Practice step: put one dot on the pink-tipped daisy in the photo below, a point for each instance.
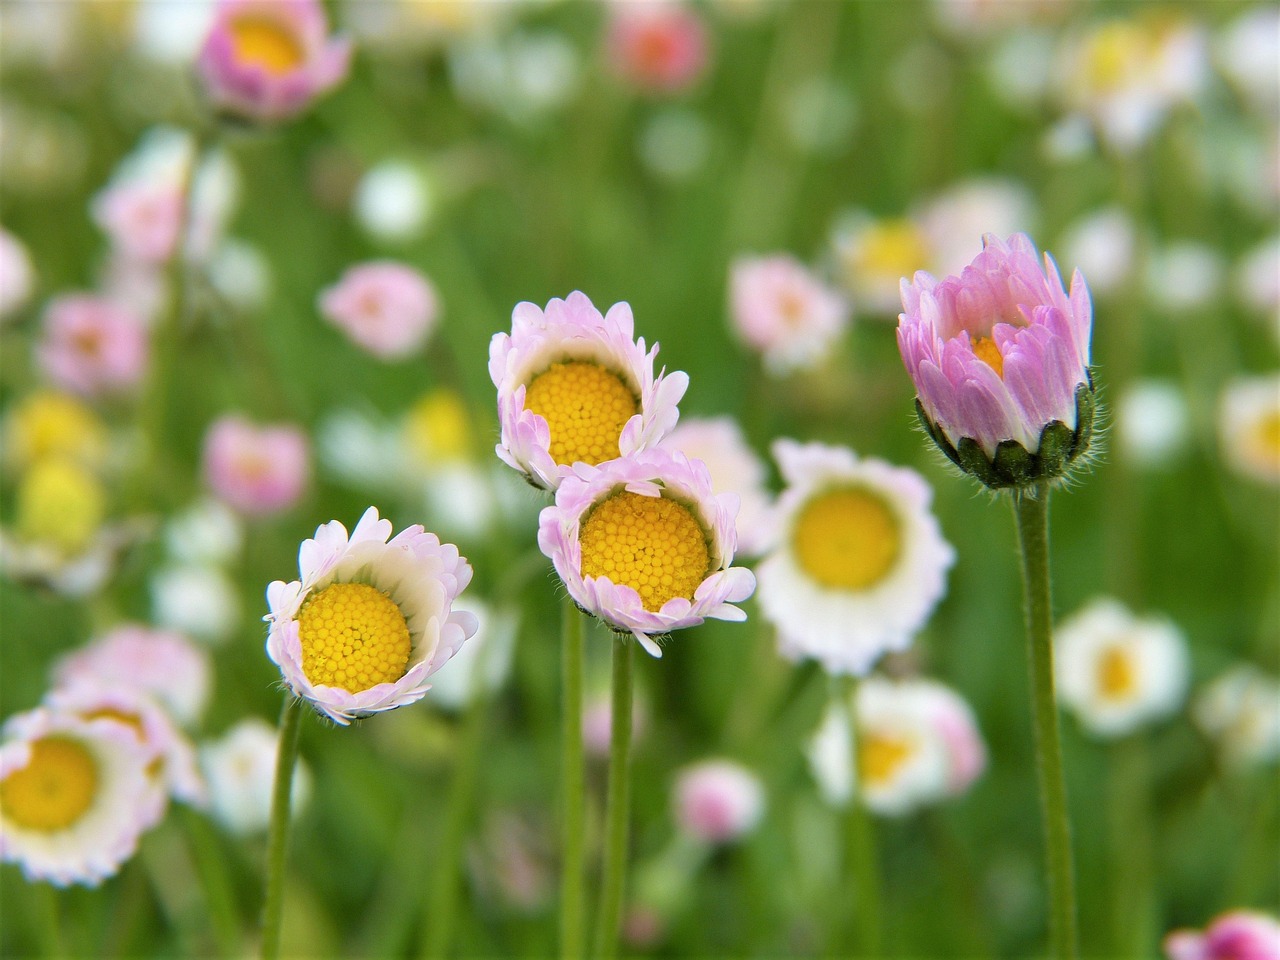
(642, 543)
(370, 619)
(575, 387)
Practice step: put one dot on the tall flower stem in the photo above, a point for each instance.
(278, 835)
(862, 859)
(1031, 508)
(572, 784)
(617, 806)
(51, 929)
(1134, 916)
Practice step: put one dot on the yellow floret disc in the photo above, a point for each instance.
(1117, 675)
(48, 424)
(985, 349)
(60, 503)
(353, 637)
(892, 248)
(651, 544)
(1267, 435)
(880, 757)
(54, 790)
(261, 42)
(847, 538)
(585, 406)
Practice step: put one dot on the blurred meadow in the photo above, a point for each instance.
(498, 149)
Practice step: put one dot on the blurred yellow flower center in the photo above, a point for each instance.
(1117, 674)
(60, 503)
(49, 424)
(1112, 53)
(353, 637)
(54, 789)
(890, 248)
(881, 756)
(261, 42)
(985, 349)
(1267, 434)
(438, 427)
(111, 713)
(847, 538)
(585, 406)
(651, 544)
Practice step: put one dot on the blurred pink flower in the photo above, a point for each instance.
(92, 345)
(142, 218)
(1237, 935)
(267, 60)
(256, 470)
(781, 309)
(717, 801)
(657, 46)
(597, 724)
(387, 308)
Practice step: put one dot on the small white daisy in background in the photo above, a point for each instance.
(370, 619)
(954, 221)
(917, 743)
(17, 277)
(1152, 422)
(1240, 711)
(1257, 280)
(872, 255)
(239, 768)
(1184, 276)
(73, 796)
(1101, 245)
(782, 310)
(198, 599)
(241, 275)
(860, 561)
(735, 468)
(483, 663)
(1117, 672)
(1246, 51)
(717, 801)
(1249, 426)
(393, 201)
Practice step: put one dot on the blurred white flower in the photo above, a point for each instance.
(955, 220)
(522, 76)
(872, 255)
(240, 770)
(1247, 51)
(241, 275)
(208, 531)
(1257, 279)
(1101, 246)
(675, 143)
(1019, 70)
(1240, 711)
(1151, 422)
(198, 599)
(394, 201)
(170, 32)
(1249, 426)
(1183, 276)
(820, 115)
(489, 652)
(16, 275)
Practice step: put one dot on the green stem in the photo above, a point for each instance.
(278, 835)
(572, 785)
(617, 806)
(1132, 898)
(52, 932)
(442, 905)
(1031, 507)
(863, 860)
(218, 894)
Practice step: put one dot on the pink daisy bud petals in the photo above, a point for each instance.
(779, 308)
(268, 60)
(642, 543)
(1000, 360)
(257, 470)
(92, 346)
(657, 47)
(717, 801)
(387, 308)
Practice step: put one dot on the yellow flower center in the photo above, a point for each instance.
(353, 637)
(1117, 674)
(985, 349)
(1266, 435)
(438, 427)
(60, 503)
(49, 424)
(1112, 53)
(262, 42)
(890, 249)
(848, 538)
(54, 790)
(881, 756)
(651, 544)
(585, 406)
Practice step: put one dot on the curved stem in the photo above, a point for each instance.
(617, 806)
(572, 785)
(1031, 507)
(863, 861)
(278, 835)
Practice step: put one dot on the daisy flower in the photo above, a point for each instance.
(717, 801)
(17, 276)
(644, 544)
(658, 47)
(780, 309)
(73, 796)
(257, 470)
(370, 619)
(574, 387)
(873, 255)
(385, 307)
(860, 561)
(92, 346)
(48, 423)
(240, 768)
(1234, 935)
(1116, 671)
(1249, 425)
(1238, 711)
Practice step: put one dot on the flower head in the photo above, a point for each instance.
(1234, 935)
(268, 60)
(17, 277)
(644, 544)
(239, 768)
(573, 386)
(387, 308)
(92, 346)
(1116, 671)
(658, 47)
(1249, 426)
(370, 619)
(47, 424)
(73, 796)
(1000, 360)
(257, 470)
(717, 801)
(872, 255)
(1238, 711)
(778, 307)
(917, 742)
(860, 561)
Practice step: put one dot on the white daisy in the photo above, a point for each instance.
(240, 769)
(860, 563)
(1249, 425)
(1115, 671)
(1240, 711)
